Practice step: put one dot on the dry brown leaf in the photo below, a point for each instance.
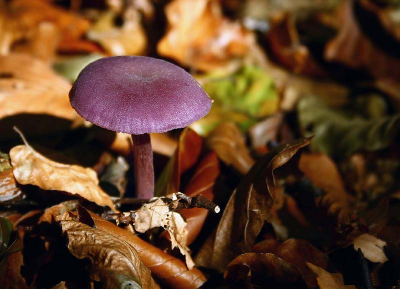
(53, 213)
(32, 168)
(328, 280)
(371, 247)
(200, 37)
(159, 214)
(22, 20)
(9, 189)
(227, 141)
(13, 278)
(35, 90)
(114, 262)
(129, 39)
(352, 48)
(249, 207)
(166, 268)
(202, 182)
(296, 252)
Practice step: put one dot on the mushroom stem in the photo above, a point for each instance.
(143, 166)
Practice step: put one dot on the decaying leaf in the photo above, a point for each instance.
(266, 131)
(158, 214)
(371, 247)
(200, 37)
(262, 270)
(185, 156)
(114, 262)
(201, 183)
(338, 134)
(352, 48)
(168, 269)
(328, 280)
(35, 90)
(129, 39)
(30, 167)
(9, 189)
(227, 141)
(297, 252)
(10, 243)
(249, 206)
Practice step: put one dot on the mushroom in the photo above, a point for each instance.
(138, 95)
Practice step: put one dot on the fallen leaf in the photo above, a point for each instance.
(328, 280)
(200, 37)
(10, 243)
(71, 66)
(227, 141)
(114, 262)
(13, 278)
(50, 215)
(185, 156)
(34, 90)
(371, 247)
(24, 17)
(352, 48)
(30, 167)
(338, 134)
(158, 214)
(262, 270)
(249, 206)
(284, 42)
(129, 39)
(266, 130)
(201, 183)
(297, 253)
(166, 268)
(115, 175)
(9, 189)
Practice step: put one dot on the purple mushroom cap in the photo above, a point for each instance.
(138, 95)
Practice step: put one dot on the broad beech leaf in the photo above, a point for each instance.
(114, 262)
(13, 278)
(249, 206)
(32, 168)
(227, 141)
(185, 156)
(371, 247)
(328, 280)
(36, 89)
(337, 134)
(297, 252)
(199, 36)
(201, 183)
(166, 268)
(262, 270)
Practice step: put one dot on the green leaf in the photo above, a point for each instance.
(71, 67)
(339, 134)
(9, 243)
(243, 97)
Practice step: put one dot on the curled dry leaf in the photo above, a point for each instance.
(32, 168)
(328, 280)
(201, 183)
(168, 269)
(159, 214)
(227, 141)
(296, 252)
(263, 270)
(200, 37)
(371, 247)
(249, 207)
(114, 262)
(185, 156)
(352, 48)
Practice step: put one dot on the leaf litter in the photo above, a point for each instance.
(294, 215)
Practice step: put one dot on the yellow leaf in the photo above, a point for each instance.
(32, 168)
